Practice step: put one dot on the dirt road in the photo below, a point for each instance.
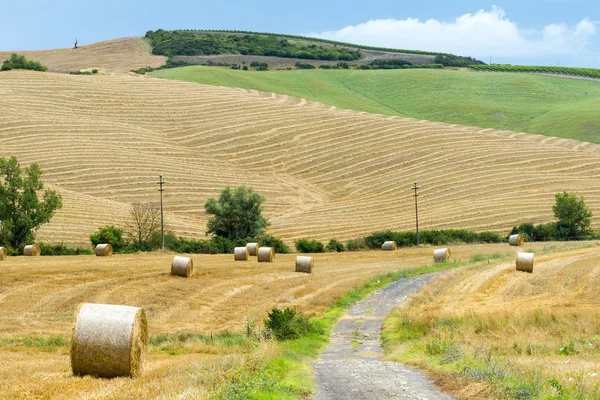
(350, 367)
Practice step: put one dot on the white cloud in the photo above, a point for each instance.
(481, 34)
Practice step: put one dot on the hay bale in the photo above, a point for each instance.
(241, 254)
(525, 262)
(304, 264)
(3, 253)
(109, 341)
(182, 266)
(389, 245)
(441, 255)
(253, 248)
(104, 250)
(266, 254)
(516, 240)
(33, 250)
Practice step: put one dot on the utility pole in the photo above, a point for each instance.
(416, 188)
(161, 182)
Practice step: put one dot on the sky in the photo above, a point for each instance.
(550, 32)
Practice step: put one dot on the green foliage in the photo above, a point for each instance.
(94, 71)
(574, 217)
(237, 214)
(553, 106)
(356, 244)
(271, 241)
(568, 349)
(21, 210)
(109, 235)
(325, 66)
(584, 72)
(189, 43)
(169, 64)
(259, 66)
(450, 60)
(309, 246)
(80, 73)
(335, 246)
(536, 233)
(409, 238)
(63, 250)
(304, 65)
(19, 62)
(289, 324)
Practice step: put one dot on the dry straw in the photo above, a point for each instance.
(253, 248)
(104, 250)
(441, 255)
(2, 253)
(109, 341)
(182, 266)
(266, 254)
(33, 250)
(304, 264)
(516, 240)
(525, 262)
(389, 245)
(241, 254)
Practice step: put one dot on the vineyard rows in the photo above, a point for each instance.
(582, 72)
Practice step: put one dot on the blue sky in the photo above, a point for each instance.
(518, 32)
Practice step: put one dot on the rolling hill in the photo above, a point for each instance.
(326, 173)
(551, 106)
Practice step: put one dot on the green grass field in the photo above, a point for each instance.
(552, 106)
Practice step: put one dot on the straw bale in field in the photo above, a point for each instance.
(304, 264)
(182, 266)
(525, 262)
(33, 250)
(389, 245)
(441, 255)
(241, 254)
(104, 250)
(266, 254)
(516, 240)
(2, 253)
(253, 248)
(109, 341)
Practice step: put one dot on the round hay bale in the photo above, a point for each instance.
(182, 266)
(516, 240)
(104, 250)
(33, 250)
(241, 254)
(304, 264)
(266, 254)
(3, 253)
(441, 255)
(525, 262)
(389, 245)
(253, 248)
(109, 341)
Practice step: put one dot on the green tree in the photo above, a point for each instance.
(109, 235)
(237, 214)
(574, 218)
(19, 62)
(21, 210)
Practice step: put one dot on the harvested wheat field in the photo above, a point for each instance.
(39, 300)
(326, 173)
(111, 56)
(504, 332)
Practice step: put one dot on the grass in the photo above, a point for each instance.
(552, 106)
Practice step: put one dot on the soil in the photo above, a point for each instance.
(350, 367)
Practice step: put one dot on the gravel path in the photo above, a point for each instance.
(350, 367)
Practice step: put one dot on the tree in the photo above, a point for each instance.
(574, 218)
(109, 235)
(237, 214)
(19, 62)
(21, 210)
(144, 222)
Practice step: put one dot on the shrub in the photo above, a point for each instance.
(20, 62)
(434, 237)
(356, 244)
(309, 246)
(325, 66)
(272, 241)
(94, 71)
(110, 235)
(62, 250)
(303, 65)
(335, 246)
(245, 68)
(289, 324)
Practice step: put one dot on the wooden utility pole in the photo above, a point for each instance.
(416, 195)
(161, 182)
